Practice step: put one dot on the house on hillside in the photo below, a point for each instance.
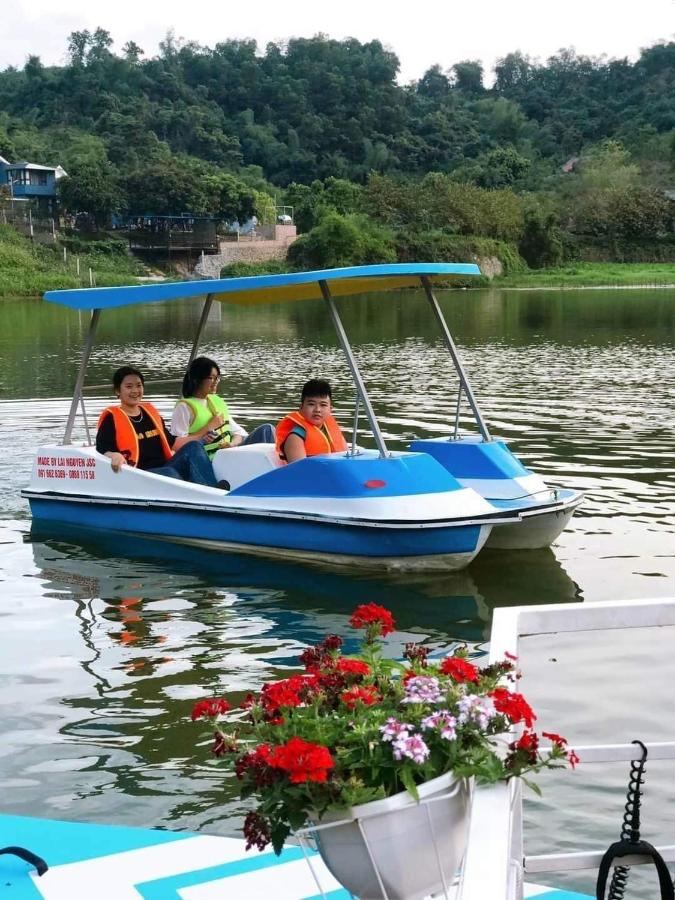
(32, 182)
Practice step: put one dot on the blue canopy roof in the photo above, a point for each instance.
(266, 288)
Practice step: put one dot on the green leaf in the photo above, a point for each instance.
(279, 834)
(409, 783)
(533, 786)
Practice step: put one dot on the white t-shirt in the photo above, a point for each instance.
(182, 416)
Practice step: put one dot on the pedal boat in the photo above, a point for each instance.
(429, 506)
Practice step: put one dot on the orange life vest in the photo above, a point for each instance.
(125, 433)
(317, 440)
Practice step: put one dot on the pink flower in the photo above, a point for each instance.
(412, 747)
(394, 729)
(443, 720)
(422, 689)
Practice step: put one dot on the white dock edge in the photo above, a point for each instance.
(495, 827)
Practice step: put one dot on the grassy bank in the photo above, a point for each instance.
(592, 275)
(28, 269)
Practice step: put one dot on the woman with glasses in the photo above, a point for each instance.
(203, 414)
(134, 434)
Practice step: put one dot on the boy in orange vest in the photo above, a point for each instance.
(312, 430)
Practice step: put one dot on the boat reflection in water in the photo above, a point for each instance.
(142, 581)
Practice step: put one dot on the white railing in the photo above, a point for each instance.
(494, 862)
(495, 865)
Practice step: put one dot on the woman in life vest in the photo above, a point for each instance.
(135, 434)
(203, 415)
(313, 429)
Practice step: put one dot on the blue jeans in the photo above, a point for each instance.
(263, 434)
(190, 463)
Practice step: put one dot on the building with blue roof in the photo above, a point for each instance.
(32, 182)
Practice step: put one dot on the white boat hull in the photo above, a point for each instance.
(534, 531)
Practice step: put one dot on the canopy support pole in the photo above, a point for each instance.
(457, 408)
(450, 344)
(206, 309)
(79, 384)
(356, 425)
(353, 367)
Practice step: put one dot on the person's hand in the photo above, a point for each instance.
(215, 422)
(117, 460)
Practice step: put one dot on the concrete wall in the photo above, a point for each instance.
(272, 243)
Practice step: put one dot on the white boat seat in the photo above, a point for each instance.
(238, 465)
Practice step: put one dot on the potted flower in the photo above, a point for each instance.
(383, 748)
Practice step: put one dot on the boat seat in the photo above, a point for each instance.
(238, 465)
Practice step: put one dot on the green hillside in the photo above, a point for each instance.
(30, 270)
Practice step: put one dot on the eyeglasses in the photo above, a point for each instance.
(214, 378)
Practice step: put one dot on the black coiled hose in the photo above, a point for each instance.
(630, 843)
(630, 830)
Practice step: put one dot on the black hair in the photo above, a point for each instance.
(315, 387)
(199, 369)
(121, 374)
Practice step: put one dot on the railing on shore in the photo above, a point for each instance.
(23, 220)
(174, 241)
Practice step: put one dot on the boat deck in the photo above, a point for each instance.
(118, 863)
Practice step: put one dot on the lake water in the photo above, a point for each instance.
(105, 642)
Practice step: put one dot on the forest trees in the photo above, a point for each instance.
(324, 126)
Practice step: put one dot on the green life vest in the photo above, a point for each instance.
(215, 405)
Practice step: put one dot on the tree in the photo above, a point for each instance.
(541, 244)
(468, 77)
(501, 168)
(78, 44)
(132, 52)
(232, 199)
(434, 83)
(607, 165)
(92, 187)
(169, 188)
(342, 241)
(99, 46)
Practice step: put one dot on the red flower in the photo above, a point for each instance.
(514, 706)
(302, 760)
(554, 738)
(355, 695)
(376, 619)
(256, 764)
(510, 656)
(573, 759)
(528, 744)
(460, 670)
(527, 741)
(291, 692)
(322, 655)
(352, 667)
(204, 709)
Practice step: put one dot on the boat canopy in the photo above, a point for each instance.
(254, 290)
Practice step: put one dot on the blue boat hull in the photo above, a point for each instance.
(402, 547)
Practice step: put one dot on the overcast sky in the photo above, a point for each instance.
(421, 33)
